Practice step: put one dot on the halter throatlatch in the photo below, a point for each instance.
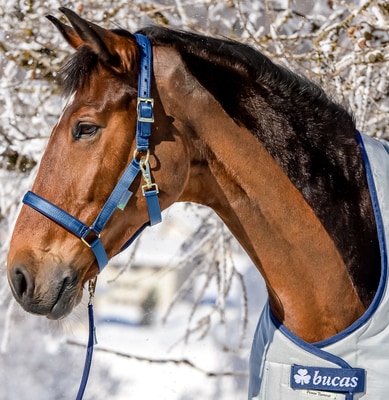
(90, 235)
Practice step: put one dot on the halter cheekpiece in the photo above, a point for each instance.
(90, 235)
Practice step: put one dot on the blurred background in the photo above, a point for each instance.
(175, 313)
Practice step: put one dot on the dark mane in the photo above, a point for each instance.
(303, 112)
(244, 64)
(74, 73)
(311, 136)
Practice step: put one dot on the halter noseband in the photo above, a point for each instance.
(90, 235)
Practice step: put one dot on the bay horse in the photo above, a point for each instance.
(274, 156)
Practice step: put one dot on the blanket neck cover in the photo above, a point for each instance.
(351, 365)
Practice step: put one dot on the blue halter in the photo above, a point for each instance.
(90, 235)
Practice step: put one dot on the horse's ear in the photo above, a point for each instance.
(119, 52)
(67, 32)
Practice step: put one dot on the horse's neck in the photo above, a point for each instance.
(310, 289)
(309, 286)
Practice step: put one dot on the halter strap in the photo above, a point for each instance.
(90, 235)
(145, 102)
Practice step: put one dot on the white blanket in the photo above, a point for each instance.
(352, 365)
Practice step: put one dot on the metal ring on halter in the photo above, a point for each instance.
(85, 238)
(144, 159)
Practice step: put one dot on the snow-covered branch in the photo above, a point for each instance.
(182, 361)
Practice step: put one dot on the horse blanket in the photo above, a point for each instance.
(351, 365)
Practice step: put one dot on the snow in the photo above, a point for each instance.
(38, 358)
(343, 45)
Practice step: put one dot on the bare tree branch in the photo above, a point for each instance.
(182, 361)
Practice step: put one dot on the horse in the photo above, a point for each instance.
(278, 160)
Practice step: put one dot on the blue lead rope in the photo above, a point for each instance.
(91, 342)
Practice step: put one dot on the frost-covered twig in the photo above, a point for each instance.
(182, 361)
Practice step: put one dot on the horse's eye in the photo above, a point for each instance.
(84, 131)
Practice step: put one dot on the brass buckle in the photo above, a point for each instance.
(91, 289)
(88, 242)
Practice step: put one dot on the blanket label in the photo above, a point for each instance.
(314, 394)
(340, 380)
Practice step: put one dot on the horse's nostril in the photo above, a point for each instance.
(22, 282)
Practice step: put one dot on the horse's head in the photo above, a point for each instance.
(89, 148)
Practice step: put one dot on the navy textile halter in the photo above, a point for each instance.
(90, 235)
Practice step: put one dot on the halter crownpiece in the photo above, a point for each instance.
(90, 235)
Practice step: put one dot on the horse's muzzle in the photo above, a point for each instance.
(54, 301)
